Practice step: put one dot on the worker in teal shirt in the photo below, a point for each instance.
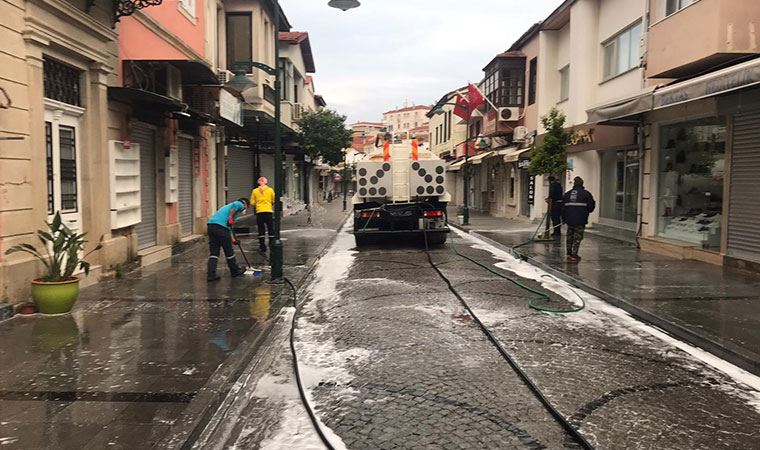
(220, 237)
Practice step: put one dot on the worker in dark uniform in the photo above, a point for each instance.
(220, 237)
(555, 205)
(577, 204)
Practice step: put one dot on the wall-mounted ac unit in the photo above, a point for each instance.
(224, 76)
(508, 114)
(520, 134)
(173, 83)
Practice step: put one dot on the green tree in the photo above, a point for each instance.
(550, 157)
(323, 134)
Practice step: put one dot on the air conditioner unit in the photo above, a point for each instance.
(173, 83)
(520, 134)
(297, 111)
(508, 114)
(224, 76)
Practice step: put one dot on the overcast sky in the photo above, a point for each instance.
(388, 52)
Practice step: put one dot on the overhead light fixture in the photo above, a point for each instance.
(344, 5)
(240, 82)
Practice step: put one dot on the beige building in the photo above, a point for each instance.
(401, 121)
(56, 63)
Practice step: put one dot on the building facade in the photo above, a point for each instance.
(401, 121)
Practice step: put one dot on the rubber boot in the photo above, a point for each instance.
(211, 274)
(235, 270)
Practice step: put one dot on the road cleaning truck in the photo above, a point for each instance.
(400, 191)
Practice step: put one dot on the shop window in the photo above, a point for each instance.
(564, 83)
(677, 5)
(690, 195)
(239, 39)
(622, 52)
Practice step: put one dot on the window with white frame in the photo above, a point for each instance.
(188, 6)
(677, 5)
(622, 52)
(564, 83)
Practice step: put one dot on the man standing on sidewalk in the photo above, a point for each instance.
(555, 205)
(262, 199)
(578, 203)
(220, 237)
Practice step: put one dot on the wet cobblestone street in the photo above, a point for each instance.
(392, 360)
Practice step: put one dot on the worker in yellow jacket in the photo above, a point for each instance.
(262, 199)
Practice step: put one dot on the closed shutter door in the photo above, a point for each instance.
(146, 229)
(239, 173)
(743, 213)
(185, 191)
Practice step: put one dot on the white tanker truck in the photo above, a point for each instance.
(400, 191)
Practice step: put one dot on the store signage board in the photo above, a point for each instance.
(709, 85)
(230, 107)
(531, 190)
(523, 163)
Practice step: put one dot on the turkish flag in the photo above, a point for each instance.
(462, 108)
(473, 97)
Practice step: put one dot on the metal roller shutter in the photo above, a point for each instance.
(146, 229)
(239, 173)
(185, 191)
(743, 213)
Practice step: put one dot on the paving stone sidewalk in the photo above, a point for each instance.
(716, 308)
(143, 359)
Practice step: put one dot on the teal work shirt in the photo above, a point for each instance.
(221, 216)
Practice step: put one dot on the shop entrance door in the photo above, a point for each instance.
(620, 188)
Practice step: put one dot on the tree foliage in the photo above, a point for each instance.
(550, 157)
(323, 134)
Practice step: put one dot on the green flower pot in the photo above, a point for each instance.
(55, 298)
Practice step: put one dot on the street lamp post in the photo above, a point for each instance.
(345, 182)
(241, 82)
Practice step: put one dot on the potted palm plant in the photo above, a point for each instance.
(58, 289)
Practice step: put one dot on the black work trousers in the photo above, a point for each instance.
(265, 222)
(220, 237)
(556, 213)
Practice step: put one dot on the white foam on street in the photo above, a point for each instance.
(613, 320)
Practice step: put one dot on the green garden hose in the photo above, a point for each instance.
(540, 296)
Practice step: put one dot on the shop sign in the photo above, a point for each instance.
(523, 163)
(709, 86)
(531, 191)
(579, 137)
(230, 107)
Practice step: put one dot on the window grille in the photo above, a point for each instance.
(49, 161)
(67, 141)
(62, 82)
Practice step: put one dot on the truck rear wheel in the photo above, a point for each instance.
(364, 239)
(436, 239)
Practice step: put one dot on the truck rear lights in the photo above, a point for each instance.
(432, 213)
(369, 215)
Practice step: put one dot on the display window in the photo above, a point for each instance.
(691, 170)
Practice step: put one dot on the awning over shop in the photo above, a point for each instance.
(516, 155)
(719, 82)
(622, 109)
(145, 99)
(456, 166)
(478, 159)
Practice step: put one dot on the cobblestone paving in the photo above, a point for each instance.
(392, 360)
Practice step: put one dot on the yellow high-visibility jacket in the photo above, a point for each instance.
(263, 201)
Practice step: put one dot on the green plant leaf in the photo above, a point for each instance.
(56, 224)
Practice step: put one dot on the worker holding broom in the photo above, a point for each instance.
(220, 237)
